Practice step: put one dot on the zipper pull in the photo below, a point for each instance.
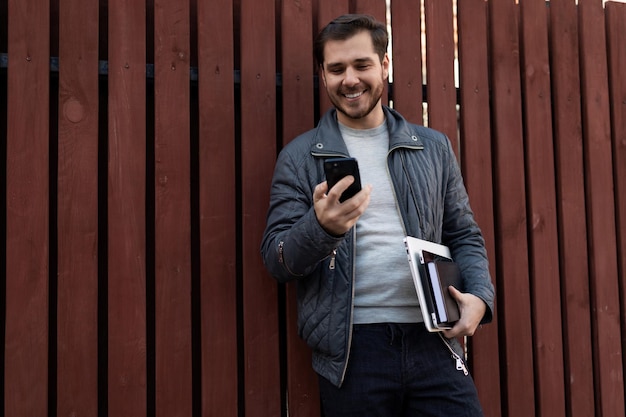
(460, 366)
(331, 265)
(280, 251)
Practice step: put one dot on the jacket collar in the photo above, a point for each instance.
(327, 138)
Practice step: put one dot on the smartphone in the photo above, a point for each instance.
(337, 168)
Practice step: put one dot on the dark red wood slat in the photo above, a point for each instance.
(27, 215)
(571, 208)
(616, 41)
(172, 208)
(218, 248)
(4, 12)
(511, 241)
(127, 370)
(78, 210)
(258, 153)
(609, 380)
(476, 164)
(297, 117)
(406, 24)
(543, 235)
(297, 68)
(376, 8)
(441, 89)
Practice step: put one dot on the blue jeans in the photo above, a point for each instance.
(400, 370)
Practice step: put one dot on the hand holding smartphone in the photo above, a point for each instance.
(336, 169)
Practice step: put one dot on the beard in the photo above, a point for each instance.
(357, 110)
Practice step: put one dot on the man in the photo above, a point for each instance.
(357, 306)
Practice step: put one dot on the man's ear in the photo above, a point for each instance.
(385, 65)
(322, 74)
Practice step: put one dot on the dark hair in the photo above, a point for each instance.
(348, 25)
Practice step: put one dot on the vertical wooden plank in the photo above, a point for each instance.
(406, 25)
(297, 68)
(440, 84)
(126, 251)
(27, 222)
(218, 243)
(4, 12)
(77, 319)
(476, 163)
(616, 41)
(571, 208)
(544, 265)
(258, 153)
(327, 11)
(376, 8)
(172, 208)
(510, 204)
(609, 379)
(297, 117)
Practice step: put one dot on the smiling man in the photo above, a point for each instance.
(354, 75)
(357, 306)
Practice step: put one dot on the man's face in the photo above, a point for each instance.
(354, 79)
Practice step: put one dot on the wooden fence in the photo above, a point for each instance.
(139, 140)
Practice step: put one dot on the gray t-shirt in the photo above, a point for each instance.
(384, 287)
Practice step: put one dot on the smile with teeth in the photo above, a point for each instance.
(353, 95)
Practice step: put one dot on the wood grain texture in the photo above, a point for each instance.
(258, 152)
(26, 333)
(172, 304)
(573, 255)
(298, 116)
(77, 218)
(477, 167)
(218, 209)
(406, 31)
(510, 205)
(600, 205)
(440, 82)
(542, 232)
(616, 48)
(126, 227)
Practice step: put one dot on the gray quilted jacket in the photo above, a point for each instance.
(431, 199)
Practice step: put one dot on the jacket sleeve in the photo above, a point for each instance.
(463, 236)
(294, 243)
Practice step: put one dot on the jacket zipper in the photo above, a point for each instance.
(345, 367)
(351, 323)
(460, 364)
(281, 259)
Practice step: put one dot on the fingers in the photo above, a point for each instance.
(472, 311)
(335, 217)
(338, 189)
(320, 191)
